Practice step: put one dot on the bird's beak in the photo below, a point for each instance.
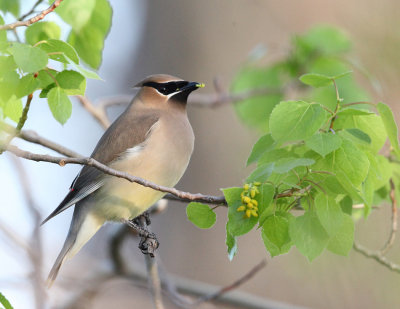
(191, 86)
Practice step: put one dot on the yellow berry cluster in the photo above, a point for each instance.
(250, 205)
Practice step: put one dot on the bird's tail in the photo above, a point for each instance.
(83, 226)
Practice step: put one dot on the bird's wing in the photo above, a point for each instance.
(129, 130)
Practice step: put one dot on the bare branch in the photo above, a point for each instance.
(99, 113)
(38, 2)
(234, 285)
(393, 231)
(377, 256)
(209, 199)
(21, 122)
(32, 20)
(152, 273)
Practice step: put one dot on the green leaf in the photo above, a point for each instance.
(340, 75)
(275, 234)
(360, 135)
(371, 124)
(316, 80)
(7, 65)
(284, 165)
(72, 82)
(201, 215)
(29, 59)
(237, 224)
(44, 77)
(76, 13)
(231, 243)
(329, 213)
(42, 31)
(43, 94)
(8, 85)
(324, 143)
(11, 6)
(86, 73)
(261, 173)
(350, 161)
(27, 85)
(60, 51)
(390, 126)
(88, 30)
(59, 104)
(296, 120)
(12, 108)
(342, 242)
(353, 112)
(264, 144)
(308, 235)
(327, 39)
(347, 205)
(255, 111)
(5, 302)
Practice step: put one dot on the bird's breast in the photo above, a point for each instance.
(162, 158)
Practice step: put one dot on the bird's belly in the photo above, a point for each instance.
(121, 199)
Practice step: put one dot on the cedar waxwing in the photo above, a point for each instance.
(151, 139)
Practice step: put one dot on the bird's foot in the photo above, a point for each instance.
(145, 215)
(148, 242)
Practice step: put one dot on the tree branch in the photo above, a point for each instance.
(377, 256)
(98, 112)
(393, 230)
(152, 273)
(38, 2)
(32, 20)
(234, 285)
(209, 199)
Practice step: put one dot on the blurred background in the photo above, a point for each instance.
(201, 41)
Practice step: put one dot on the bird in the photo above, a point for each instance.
(151, 139)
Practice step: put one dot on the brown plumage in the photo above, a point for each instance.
(152, 139)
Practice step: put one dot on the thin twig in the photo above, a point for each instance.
(24, 115)
(21, 122)
(38, 2)
(32, 20)
(152, 273)
(99, 112)
(377, 256)
(393, 230)
(234, 285)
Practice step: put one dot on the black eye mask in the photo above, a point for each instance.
(166, 88)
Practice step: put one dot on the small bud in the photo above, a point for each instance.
(254, 202)
(246, 199)
(252, 193)
(250, 205)
(257, 183)
(246, 187)
(254, 213)
(241, 208)
(248, 213)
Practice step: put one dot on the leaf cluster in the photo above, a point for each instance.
(318, 156)
(43, 62)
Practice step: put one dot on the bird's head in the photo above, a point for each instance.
(162, 88)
